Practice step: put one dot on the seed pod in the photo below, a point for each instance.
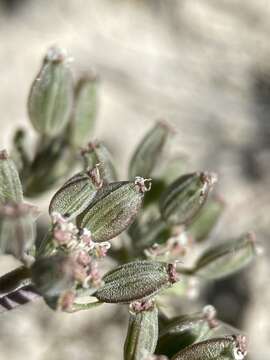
(227, 258)
(53, 276)
(183, 199)
(85, 109)
(142, 334)
(135, 280)
(10, 185)
(224, 348)
(17, 230)
(184, 331)
(76, 194)
(97, 153)
(51, 96)
(113, 209)
(147, 153)
(207, 219)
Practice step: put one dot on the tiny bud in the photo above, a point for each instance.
(184, 198)
(66, 301)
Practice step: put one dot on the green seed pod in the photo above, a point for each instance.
(52, 277)
(97, 153)
(183, 199)
(224, 348)
(184, 331)
(113, 209)
(147, 154)
(85, 110)
(207, 219)
(10, 185)
(51, 96)
(142, 334)
(224, 259)
(17, 230)
(76, 194)
(136, 280)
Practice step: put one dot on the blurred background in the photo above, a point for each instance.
(202, 65)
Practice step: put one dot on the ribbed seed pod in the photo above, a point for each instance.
(147, 153)
(142, 334)
(184, 331)
(207, 219)
(85, 109)
(113, 209)
(17, 230)
(76, 194)
(97, 153)
(135, 280)
(51, 96)
(226, 258)
(10, 185)
(224, 348)
(183, 199)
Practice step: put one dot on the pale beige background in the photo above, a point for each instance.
(204, 66)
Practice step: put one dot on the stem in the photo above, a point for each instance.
(77, 307)
(15, 279)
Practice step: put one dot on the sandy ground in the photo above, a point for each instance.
(204, 66)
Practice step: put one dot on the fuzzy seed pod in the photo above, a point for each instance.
(10, 185)
(113, 209)
(184, 331)
(183, 199)
(224, 348)
(142, 334)
(97, 153)
(147, 154)
(227, 258)
(135, 280)
(51, 96)
(76, 194)
(85, 110)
